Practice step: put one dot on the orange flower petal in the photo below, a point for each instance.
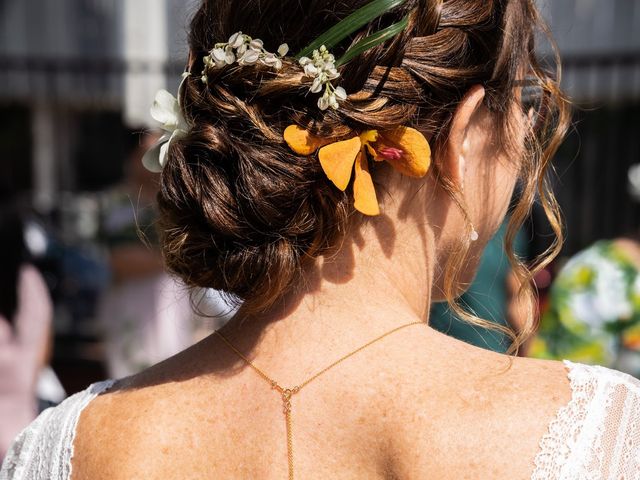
(364, 192)
(302, 142)
(416, 158)
(337, 160)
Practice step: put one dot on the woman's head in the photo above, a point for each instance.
(241, 212)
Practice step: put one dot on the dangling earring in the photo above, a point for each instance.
(473, 235)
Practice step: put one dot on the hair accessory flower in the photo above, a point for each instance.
(322, 68)
(316, 60)
(244, 50)
(166, 110)
(405, 148)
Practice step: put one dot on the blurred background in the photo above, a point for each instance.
(77, 78)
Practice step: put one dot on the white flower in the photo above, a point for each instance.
(606, 299)
(270, 59)
(283, 50)
(236, 40)
(245, 51)
(332, 73)
(323, 101)
(341, 94)
(316, 86)
(256, 44)
(229, 56)
(249, 58)
(166, 110)
(219, 56)
(311, 70)
(322, 68)
(242, 49)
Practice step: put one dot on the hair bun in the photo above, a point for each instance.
(240, 216)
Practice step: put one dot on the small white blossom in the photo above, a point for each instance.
(322, 68)
(236, 40)
(219, 57)
(244, 50)
(311, 70)
(249, 58)
(316, 86)
(230, 57)
(283, 50)
(256, 44)
(341, 94)
(323, 102)
(332, 73)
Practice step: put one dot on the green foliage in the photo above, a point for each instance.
(350, 25)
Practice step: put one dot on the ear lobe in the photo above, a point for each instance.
(460, 142)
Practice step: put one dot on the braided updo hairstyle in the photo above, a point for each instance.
(242, 213)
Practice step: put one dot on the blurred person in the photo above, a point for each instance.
(146, 314)
(268, 194)
(593, 313)
(26, 314)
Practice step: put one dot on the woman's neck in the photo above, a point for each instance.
(370, 287)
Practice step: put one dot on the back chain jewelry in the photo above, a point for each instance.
(287, 393)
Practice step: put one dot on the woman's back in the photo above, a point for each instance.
(458, 414)
(418, 405)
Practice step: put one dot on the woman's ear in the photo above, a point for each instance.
(461, 140)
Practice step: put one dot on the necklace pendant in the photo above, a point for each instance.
(286, 400)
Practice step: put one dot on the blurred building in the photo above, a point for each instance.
(77, 78)
(600, 45)
(73, 73)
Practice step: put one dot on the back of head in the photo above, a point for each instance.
(240, 211)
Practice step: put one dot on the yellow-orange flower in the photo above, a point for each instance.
(405, 148)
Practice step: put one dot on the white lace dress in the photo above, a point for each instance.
(596, 436)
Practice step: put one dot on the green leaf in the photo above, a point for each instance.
(373, 41)
(349, 25)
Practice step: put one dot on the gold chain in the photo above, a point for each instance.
(288, 393)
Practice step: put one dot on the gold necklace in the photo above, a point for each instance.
(287, 393)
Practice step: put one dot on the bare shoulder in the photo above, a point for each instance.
(455, 365)
(119, 431)
(492, 409)
(502, 381)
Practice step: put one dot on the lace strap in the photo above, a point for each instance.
(44, 449)
(596, 436)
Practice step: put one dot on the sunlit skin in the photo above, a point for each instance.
(396, 410)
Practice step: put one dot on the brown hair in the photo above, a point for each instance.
(240, 212)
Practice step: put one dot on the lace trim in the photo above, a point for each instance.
(556, 445)
(92, 392)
